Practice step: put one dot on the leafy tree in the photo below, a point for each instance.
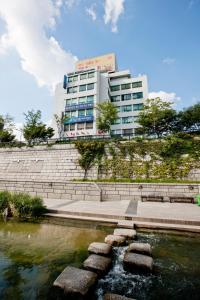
(34, 130)
(190, 118)
(158, 118)
(6, 129)
(107, 115)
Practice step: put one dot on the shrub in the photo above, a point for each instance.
(5, 198)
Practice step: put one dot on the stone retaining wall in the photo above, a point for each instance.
(100, 191)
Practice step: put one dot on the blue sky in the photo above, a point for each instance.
(40, 42)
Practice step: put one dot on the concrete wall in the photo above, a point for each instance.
(100, 191)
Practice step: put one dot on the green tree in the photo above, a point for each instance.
(34, 130)
(6, 129)
(190, 118)
(158, 118)
(107, 115)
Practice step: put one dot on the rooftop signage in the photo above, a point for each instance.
(101, 63)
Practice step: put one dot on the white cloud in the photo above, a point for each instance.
(169, 97)
(70, 3)
(41, 55)
(113, 10)
(168, 60)
(91, 12)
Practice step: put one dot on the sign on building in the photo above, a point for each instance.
(102, 63)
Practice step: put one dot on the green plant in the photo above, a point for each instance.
(107, 115)
(5, 198)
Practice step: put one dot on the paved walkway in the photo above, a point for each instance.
(118, 209)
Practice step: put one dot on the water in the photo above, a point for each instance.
(176, 275)
(33, 255)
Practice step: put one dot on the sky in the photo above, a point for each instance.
(40, 41)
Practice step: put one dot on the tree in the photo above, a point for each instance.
(107, 115)
(158, 118)
(34, 130)
(190, 118)
(60, 123)
(6, 129)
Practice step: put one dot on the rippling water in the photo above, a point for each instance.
(33, 255)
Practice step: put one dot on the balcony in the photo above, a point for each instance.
(79, 106)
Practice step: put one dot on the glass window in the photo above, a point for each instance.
(70, 79)
(126, 97)
(127, 131)
(118, 131)
(80, 126)
(90, 99)
(126, 108)
(72, 127)
(68, 102)
(70, 90)
(115, 98)
(82, 100)
(126, 86)
(81, 113)
(89, 112)
(118, 109)
(83, 76)
(74, 101)
(115, 88)
(73, 113)
(138, 106)
(90, 86)
(137, 84)
(75, 78)
(127, 120)
(89, 125)
(66, 127)
(117, 121)
(137, 95)
(82, 88)
(91, 75)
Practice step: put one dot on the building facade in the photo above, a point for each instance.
(97, 80)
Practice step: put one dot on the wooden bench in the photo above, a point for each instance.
(152, 198)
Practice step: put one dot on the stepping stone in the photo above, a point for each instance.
(100, 248)
(141, 248)
(75, 283)
(115, 240)
(115, 297)
(138, 261)
(128, 233)
(98, 264)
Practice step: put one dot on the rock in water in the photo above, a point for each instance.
(141, 248)
(115, 297)
(115, 240)
(98, 264)
(75, 283)
(100, 248)
(138, 261)
(128, 233)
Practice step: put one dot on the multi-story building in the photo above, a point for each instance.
(97, 80)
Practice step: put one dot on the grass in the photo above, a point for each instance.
(140, 180)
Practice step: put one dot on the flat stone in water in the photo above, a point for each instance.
(100, 248)
(138, 261)
(128, 233)
(115, 240)
(141, 248)
(98, 264)
(75, 282)
(115, 297)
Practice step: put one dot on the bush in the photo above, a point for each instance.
(22, 205)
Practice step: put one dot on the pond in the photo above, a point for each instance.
(33, 255)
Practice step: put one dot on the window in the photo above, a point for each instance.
(74, 101)
(73, 113)
(126, 86)
(118, 131)
(117, 121)
(90, 99)
(135, 118)
(115, 88)
(72, 127)
(137, 84)
(89, 112)
(81, 113)
(115, 98)
(127, 120)
(70, 79)
(137, 95)
(75, 78)
(83, 76)
(118, 108)
(91, 75)
(138, 106)
(80, 126)
(68, 101)
(126, 97)
(66, 127)
(126, 108)
(82, 100)
(89, 125)
(90, 86)
(127, 131)
(72, 90)
(82, 88)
